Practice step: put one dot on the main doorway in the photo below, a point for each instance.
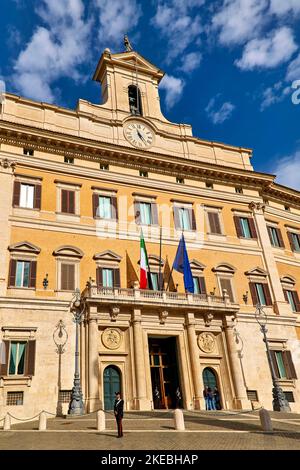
(112, 384)
(210, 380)
(164, 372)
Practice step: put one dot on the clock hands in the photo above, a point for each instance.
(140, 136)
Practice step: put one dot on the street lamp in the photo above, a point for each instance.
(76, 403)
(279, 401)
(60, 338)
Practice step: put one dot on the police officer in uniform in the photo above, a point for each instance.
(118, 411)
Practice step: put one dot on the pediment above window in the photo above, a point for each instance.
(196, 265)
(154, 260)
(224, 268)
(288, 282)
(107, 255)
(24, 247)
(68, 251)
(257, 272)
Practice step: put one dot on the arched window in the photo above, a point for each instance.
(135, 102)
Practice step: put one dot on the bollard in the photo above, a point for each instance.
(43, 421)
(179, 420)
(6, 425)
(265, 420)
(100, 420)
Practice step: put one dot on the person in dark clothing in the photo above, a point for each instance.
(118, 411)
(217, 399)
(178, 398)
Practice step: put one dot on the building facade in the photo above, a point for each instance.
(77, 188)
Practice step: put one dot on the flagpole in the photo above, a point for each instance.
(159, 269)
(170, 275)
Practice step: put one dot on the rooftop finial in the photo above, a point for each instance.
(128, 46)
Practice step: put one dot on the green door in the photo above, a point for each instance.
(111, 386)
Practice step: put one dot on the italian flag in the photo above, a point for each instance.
(144, 264)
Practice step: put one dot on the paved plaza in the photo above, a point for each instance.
(155, 431)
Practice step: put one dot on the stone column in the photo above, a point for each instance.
(141, 402)
(93, 401)
(195, 362)
(240, 399)
(7, 168)
(281, 306)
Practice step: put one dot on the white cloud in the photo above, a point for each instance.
(274, 94)
(269, 52)
(53, 51)
(293, 71)
(239, 20)
(180, 23)
(190, 62)
(283, 7)
(116, 18)
(173, 88)
(220, 114)
(287, 170)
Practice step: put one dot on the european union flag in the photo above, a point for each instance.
(182, 265)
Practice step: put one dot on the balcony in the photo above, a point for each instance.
(140, 297)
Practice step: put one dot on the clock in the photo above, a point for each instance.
(139, 134)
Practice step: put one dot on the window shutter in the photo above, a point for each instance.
(117, 282)
(274, 362)
(176, 218)
(30, 362)
(64, 200)
(202, 285)
(37, 196)
(253, 293)
(16, 194)
(64, 277)
(280, 239)
(252, 227)
(226, 284)
(71, 277)
(285, 295)
(192, 218)
(270, 235)
(99, 277)
(289, 365)
(214, 222)
(160, 281)
(154, 214)
(137, 212)
(12, 273)
(291, 240)
(95, 205)
(296, 300)
(114, 207)
(4, 367)
(238, 227)
(267, 294)
(32, 281)
(71, 202)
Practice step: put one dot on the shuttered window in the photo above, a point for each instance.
(67, 277)
(275, 237)
(21, 358)
(184, 218)
(292, 297)
(108, 277)
(283, 365)
(68, 201)
(27, 195)
(199, 285)
(294, 239)
(214, 222)
(226, 284)
(105, 207)
(22, 273)
(146, 213)
(260, 293)
(245, 227)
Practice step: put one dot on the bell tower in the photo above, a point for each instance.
(129, 84)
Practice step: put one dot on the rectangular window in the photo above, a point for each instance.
(14, 398)
(144, 174)
(22, 274)
(291, 300)
(65, 396)
(107, 277)
(275, 237)
(154, 280)
(289, 396)
(104, 166)
(17, 358)
(280, 365)
(179, 180)
(67, 201)
(184, 218)
(296, 241)
(69, 160)
(239, 190)
(29, 152)
(246, 233)
(27, 195)
(199, 285)
(209, 185)
(226, 284)
(260, 293)
(214, 222)
(252, 395)
(105, 207)
(145, 213)
(67, 277)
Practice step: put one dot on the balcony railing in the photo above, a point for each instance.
(141, 296)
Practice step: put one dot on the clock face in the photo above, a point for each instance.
(138, 134)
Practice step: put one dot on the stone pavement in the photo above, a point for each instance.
(155, 431)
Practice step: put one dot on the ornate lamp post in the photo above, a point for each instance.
(76, 405)
(279, 401)
(60, 337)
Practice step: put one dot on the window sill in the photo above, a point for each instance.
(21, 288)
(11, 380)
(286, 382)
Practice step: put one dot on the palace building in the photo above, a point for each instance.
(77, 188)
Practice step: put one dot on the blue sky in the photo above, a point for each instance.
(230, 64)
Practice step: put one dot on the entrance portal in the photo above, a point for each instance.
(210, 381)
(164, 372)
(112, 384)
